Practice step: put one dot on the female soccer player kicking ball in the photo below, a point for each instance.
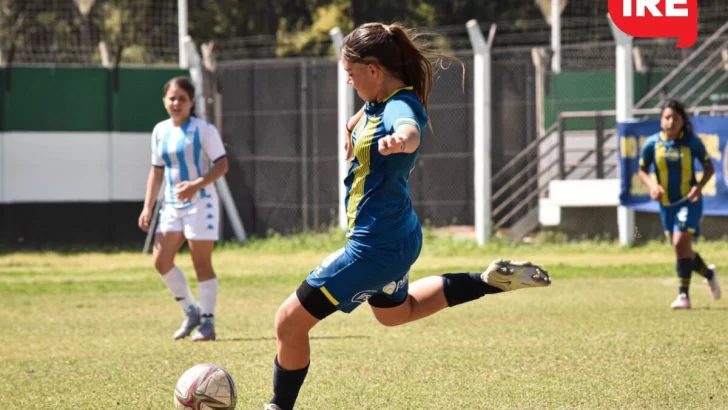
(673, 151)
(182, 146)
(394, 76)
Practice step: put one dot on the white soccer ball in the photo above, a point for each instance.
(205, 387)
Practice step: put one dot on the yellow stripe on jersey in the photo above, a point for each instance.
(329, 296)
(363, 153)
(686, 164)
(662, 174)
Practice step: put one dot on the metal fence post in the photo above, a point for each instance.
(345, 112)
(482, 130)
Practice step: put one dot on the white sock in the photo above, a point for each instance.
(177, 284)
(208, 296)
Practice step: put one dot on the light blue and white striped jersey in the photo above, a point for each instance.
(185, 153)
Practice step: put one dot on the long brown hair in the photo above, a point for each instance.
(408, 55)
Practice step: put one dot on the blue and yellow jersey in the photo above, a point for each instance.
(674, 163)
(378, 204)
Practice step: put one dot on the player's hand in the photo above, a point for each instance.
(185, 190)
(656, 192)
(348, 148)
(391, 144)
(695, 194)
(144, 219)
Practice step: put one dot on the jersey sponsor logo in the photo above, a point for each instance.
(673, 155)
(393, 287)
(363, 296)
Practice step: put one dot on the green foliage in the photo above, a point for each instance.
(298, 36)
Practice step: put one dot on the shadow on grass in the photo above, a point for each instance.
(260, 339)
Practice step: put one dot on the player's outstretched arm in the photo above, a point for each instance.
(405, 140)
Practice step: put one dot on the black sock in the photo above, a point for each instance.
(286, 385)
(465, 287)
(684, 272)
(701, 268)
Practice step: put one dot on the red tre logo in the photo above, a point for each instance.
(657, 19)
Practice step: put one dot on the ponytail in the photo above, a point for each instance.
(407, 55)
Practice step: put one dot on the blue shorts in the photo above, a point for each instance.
(355, 273)
(682, 218)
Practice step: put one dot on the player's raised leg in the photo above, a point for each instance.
(434, 293)
(166, 245)
(201, 251)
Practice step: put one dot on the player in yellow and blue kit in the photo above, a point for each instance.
(394, 76)
(673, 152)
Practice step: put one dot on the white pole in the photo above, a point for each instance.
(556, 35)
(482, 129)
(196, 66)
(624, 104)
(345, 112)
(182, 32)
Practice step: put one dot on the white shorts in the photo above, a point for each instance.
(199, 221)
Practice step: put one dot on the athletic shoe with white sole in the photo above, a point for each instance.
(713, 284)
(682, 302)
(272, 406)
(191, 321)
(206, 331)
(507, 275)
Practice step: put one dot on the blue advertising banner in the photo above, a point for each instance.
(713, 131)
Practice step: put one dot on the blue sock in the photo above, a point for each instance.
(286, 385)
(465, 287)
(684, 272)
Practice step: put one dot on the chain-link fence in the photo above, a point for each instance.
(279, 121)
(280, 125)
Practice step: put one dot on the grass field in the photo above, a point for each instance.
(93, 331)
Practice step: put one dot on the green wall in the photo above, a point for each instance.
(83, 99)
(590, 91)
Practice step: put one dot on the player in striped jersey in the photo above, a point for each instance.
(182, 148)
(394, 76)
(673, 152)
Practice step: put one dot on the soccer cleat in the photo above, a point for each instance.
(507, 275)
(191, 321)
(206, 331)
(682, 302)
(713, 284)
(272, 406)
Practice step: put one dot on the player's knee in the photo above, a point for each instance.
(284, 326)
(163, 265)
(287, 328)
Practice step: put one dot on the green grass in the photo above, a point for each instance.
(92, 330)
